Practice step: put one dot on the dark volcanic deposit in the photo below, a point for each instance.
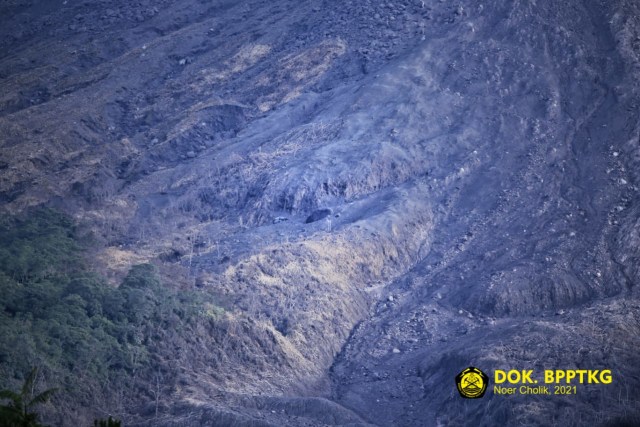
(375, 195)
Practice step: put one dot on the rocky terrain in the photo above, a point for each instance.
(377, 194)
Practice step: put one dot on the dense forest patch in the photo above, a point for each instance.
(85, 335)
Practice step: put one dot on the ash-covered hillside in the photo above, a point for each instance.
(323, 210)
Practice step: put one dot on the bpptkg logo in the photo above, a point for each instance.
(472, 383)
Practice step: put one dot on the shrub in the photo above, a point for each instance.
(81, 331)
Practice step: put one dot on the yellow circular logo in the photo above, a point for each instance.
(472, 383)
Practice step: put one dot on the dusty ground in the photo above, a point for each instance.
(480, 162)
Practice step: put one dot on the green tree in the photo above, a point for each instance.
(107, 423)
(19, 411)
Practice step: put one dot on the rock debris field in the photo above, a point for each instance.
(379, 194)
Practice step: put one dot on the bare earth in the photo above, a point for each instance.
(478, 166)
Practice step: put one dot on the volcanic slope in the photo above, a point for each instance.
(378, 194)
(531, 264)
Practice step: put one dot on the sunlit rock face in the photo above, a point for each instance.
(378, 195)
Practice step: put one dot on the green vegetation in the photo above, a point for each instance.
(85, 335)
(18, 412)
(107, 423)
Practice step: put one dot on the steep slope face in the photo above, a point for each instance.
(526, 268)
(201, 137)
(458, 178)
